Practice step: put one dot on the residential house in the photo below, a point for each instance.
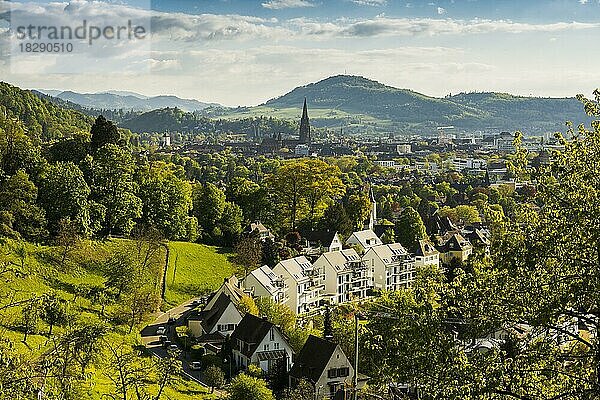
(324, 364)
(220, 319)
(347, 277)
(319, 242)
(232, 287)
(263, 282)
(426, 254)
(454, 247)
(392, 267)
(259, 342)
(305, 282)
(363, 240)
(263, 232)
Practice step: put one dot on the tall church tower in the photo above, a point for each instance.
(304, 125)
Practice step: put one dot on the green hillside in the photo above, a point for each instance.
(354, 94)
(43, 119)
(356, 101)
(31, 272)
(194, 269)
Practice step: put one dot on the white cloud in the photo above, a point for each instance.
(583, 1)
(281, 4)
(441, 10)
(372, 3)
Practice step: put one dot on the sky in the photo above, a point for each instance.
(244, 52)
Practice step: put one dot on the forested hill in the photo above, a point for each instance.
(359, 95)
(405, 109)
(42, 118)
(176, 120)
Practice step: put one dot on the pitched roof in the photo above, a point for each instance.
(323, 237)
(267, 279)
(251, 330)
(313, 359)
(425, 248)
(340, 259)
(231, 287)
(437, 225)
(389, 253)
(209, 318)
(297, 267)
(366, 238)
(477, 236)
(456, 242)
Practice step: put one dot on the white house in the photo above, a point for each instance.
(364, 240)
(259, 342)
(346, 275)
(323, 364)
(232, 288)
(319, 242)
(426, 254)
(221, 318)
(392, 267)
(306, 283)
(263, 282)
(263, 232)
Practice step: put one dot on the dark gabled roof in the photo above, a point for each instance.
(477, 237)
(210, 317)
(313, 359)
(438, 225)
(251, 330)
(425, 248)
(323, 237)
(456, 242)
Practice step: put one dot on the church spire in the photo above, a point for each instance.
(304, 125)
(305, 110)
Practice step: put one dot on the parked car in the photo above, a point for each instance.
(196, 302)
(173, 347)
(161, 330)
(163, 338)
(195, 365)
(167, 343)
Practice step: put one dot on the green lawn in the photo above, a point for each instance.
(41, 276)
(195, 269)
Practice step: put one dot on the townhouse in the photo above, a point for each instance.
(263, 282)
(392, 267)
(347, 277)
(306, 283)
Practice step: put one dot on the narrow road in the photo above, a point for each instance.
(152, 341)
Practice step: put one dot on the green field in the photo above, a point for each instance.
(39, 274)
(195, 269)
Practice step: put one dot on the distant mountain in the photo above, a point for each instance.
(345, 99)
(116, 100)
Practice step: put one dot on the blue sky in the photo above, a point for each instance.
(243, 52)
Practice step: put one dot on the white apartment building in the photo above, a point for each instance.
(305, 282)
(347, 277)
(263, 282)
(460, 164)
(392, 267)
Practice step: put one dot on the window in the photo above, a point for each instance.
(266, 347)
(272, 334)
(332, 373)
(219, 327)
(343, 372)
(275, 346)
